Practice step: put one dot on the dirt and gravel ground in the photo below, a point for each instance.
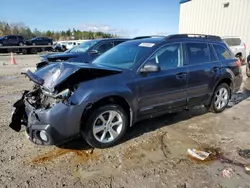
(152, 155)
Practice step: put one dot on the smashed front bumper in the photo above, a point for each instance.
(53, 126)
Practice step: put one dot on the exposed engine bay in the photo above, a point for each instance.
(39, 98)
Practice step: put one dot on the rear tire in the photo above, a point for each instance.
(247, 70)
(220, 98)
(24, 51)
(102, 132)
(1, 44)
(33, 50)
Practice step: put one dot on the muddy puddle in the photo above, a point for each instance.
(78, 156)
(216, 155)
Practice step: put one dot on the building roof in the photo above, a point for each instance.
(184, 1)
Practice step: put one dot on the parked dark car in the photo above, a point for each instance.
(39, 41)
(11, 40)
(85, 52)
(135, 80)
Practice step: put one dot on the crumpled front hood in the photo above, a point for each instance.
(58, 76)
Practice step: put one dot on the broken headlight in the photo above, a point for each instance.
(62, 96)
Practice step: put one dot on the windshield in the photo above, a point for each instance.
(83, 47)
(123, 56)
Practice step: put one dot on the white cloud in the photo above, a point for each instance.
(162, 33)
(107, 29)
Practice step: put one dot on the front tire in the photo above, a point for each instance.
(221, 98)
(105, 126)
(247, 70)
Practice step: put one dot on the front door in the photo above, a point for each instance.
(12, 40)
(103, 47)
(203, 67)
(166, 89)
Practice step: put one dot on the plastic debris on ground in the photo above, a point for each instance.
(197, 154)
(227, 173)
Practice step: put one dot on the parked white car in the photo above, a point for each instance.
(237, 46)
(71, 44)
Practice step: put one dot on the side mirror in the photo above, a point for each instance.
(150, 67)
(93, 52)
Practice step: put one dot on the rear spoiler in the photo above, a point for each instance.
(34, 78)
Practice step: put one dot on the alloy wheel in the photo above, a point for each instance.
(108, 126)
(221, 98)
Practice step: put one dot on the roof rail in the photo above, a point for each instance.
(151, 36)
(178, 36)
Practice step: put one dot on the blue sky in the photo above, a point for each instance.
(125, 18)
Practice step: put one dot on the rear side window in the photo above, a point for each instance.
(12, 37)
(197, 53)
(117, 42)
(213, 56)
(222, 52)
(233, 41)
(104, 47)
(20, 37)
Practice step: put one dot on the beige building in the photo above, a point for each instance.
(217, 17)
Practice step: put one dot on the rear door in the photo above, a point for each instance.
(40, 41)
(229, 62)
(166, 89)
(203, 67)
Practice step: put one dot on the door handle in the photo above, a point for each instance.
(215, 69)
(181, 75)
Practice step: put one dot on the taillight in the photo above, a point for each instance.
(238, 63)
(245, 45)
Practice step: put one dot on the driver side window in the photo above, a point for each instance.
(168, 57)
(104, 47)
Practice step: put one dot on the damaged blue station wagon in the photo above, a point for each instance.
(135, 80)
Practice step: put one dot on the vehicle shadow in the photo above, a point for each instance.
(76, 144)
(143, 127)
(153, 124)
